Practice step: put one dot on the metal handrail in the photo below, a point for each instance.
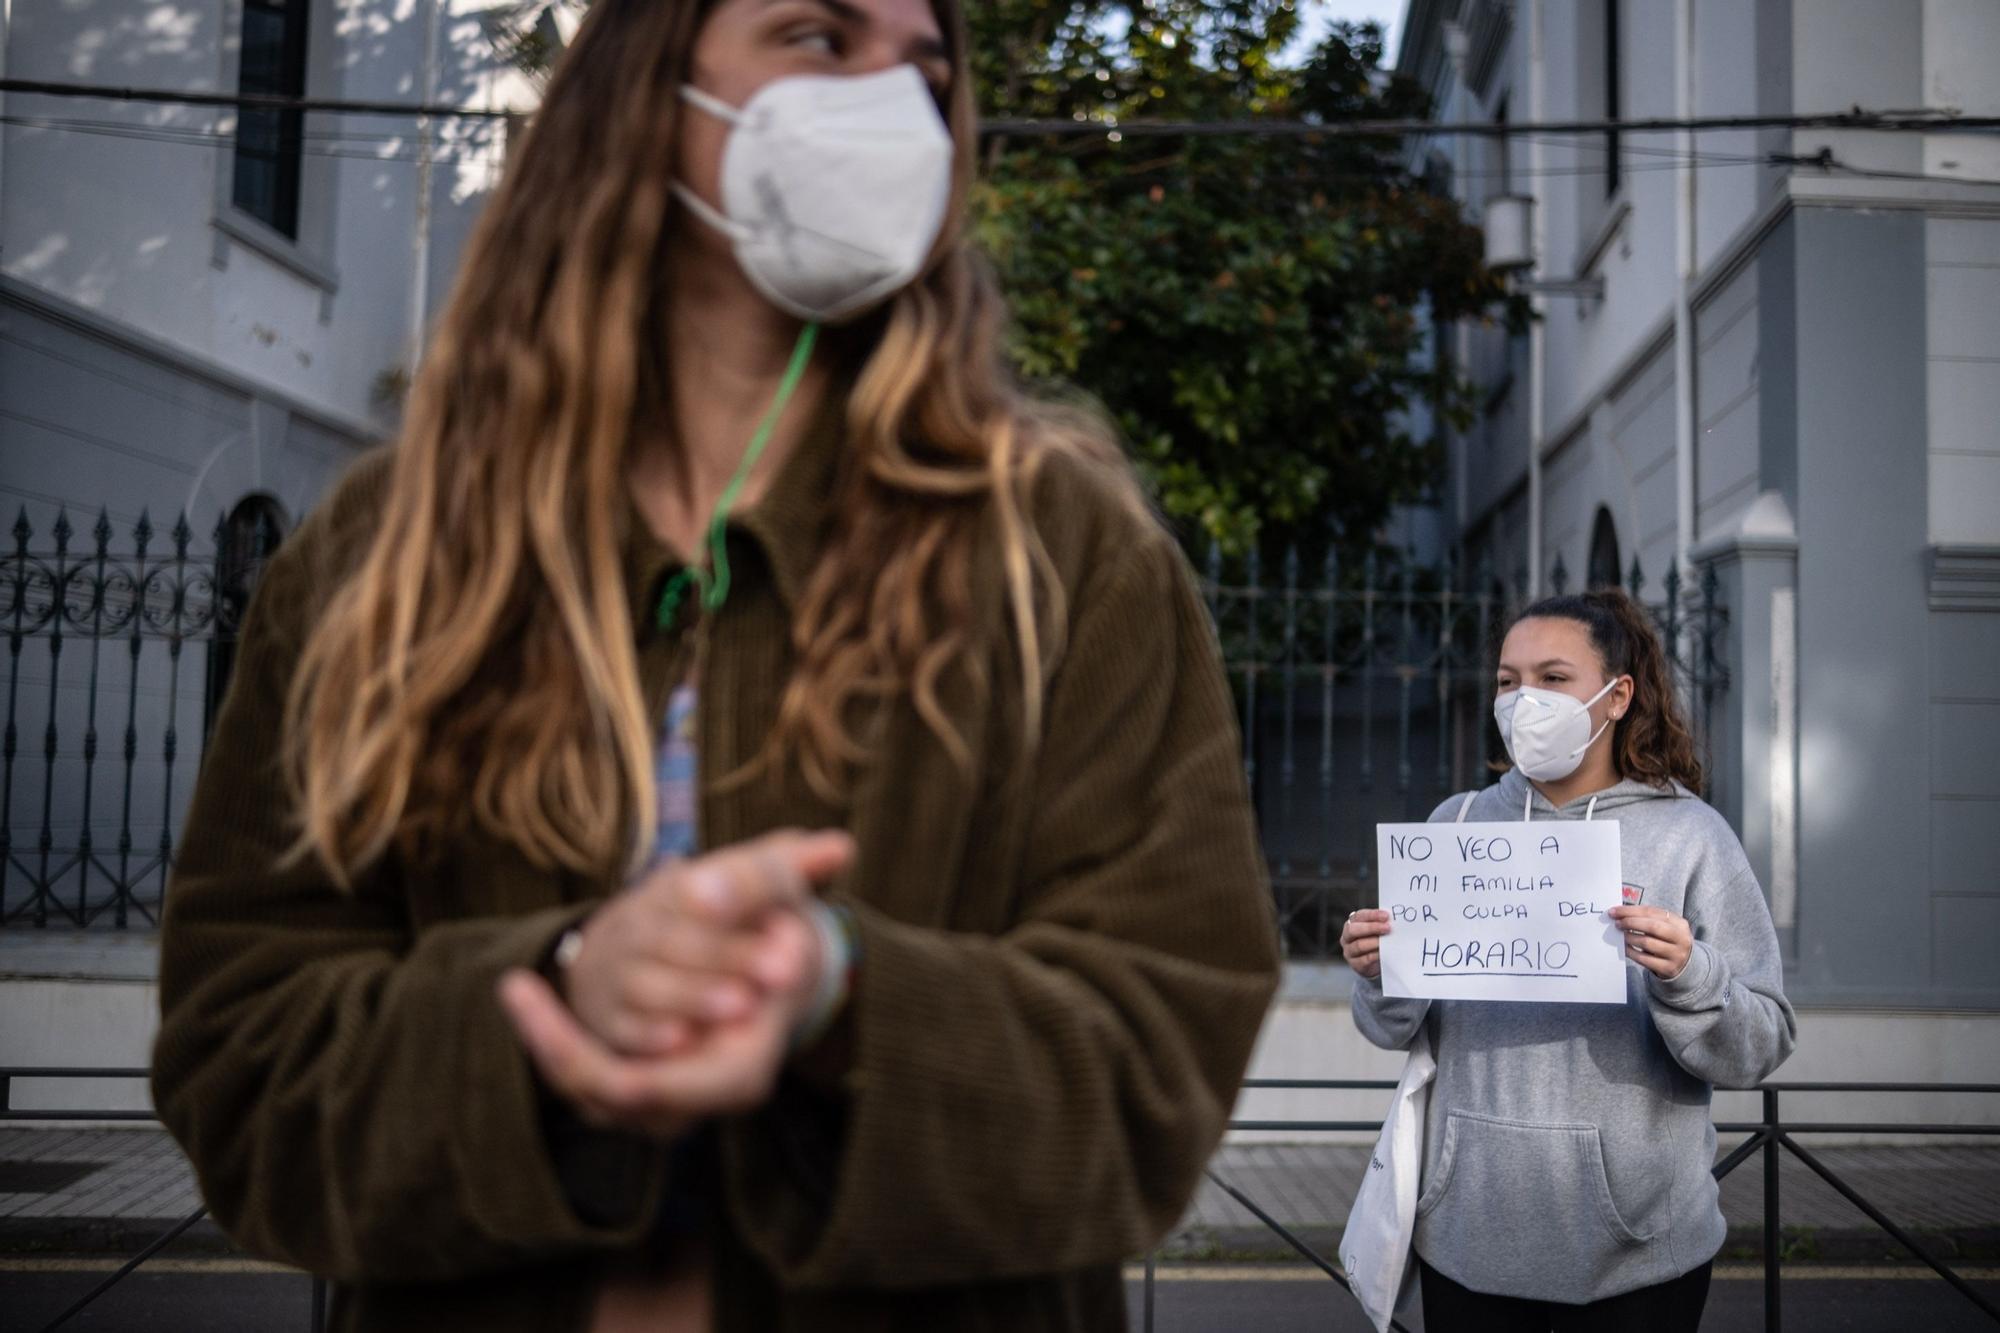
(1771, 1136)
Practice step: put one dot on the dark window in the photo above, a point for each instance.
(1613, 100)
(1604, 571)
(1437, 174)
(268, 142)
(244, 544)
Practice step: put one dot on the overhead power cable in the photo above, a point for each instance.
(1927, 122)
(376, 147)
(1856, 118)
(248, 101)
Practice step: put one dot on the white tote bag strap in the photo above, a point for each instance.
(1465, 807)
(1375, 1247)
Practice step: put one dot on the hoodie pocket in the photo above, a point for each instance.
(1524, 1209)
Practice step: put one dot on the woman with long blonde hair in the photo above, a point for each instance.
(501, 980)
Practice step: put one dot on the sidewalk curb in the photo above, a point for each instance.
(109, 1236)
(1745, 1244)
(112, 1237)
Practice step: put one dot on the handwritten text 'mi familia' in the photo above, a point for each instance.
(1519, 914)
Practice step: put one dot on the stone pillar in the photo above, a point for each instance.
(1753, 778)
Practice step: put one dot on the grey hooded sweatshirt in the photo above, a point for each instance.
(1567, 1146)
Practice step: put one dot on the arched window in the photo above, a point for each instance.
(244, 544)
(1604, 570)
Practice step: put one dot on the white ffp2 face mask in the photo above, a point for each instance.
(1546, 731)
(834, 187)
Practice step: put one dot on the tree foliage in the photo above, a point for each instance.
(1252, 310)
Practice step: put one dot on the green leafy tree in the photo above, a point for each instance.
(1251, 309)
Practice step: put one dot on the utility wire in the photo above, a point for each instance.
(1927, 122)
(1856, 118)
(248, 101)
(386, 148)
(391, 147)
(399, 148)
(1826, 161)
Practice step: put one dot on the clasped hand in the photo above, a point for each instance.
(682, 998)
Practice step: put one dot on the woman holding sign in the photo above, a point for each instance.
(1567, 1147)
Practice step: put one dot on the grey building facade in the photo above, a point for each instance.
(1769, 356)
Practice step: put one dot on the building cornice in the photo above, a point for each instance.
(60, 309)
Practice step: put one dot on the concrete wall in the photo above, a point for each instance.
(1854, 748)
(1964, 790)
(95, 415)
(1961, 38)
(1727, 418)
(320, 318)
(78, 1002)
(1619, 459)
(1866, 53)
(1864, 919)
(1742, 67)
(1640, 437)
(1962, 368)
(1626, 239)
(1962, 385)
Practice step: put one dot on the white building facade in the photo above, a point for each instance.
(1774, 358)
(203, 313)
(199, 306)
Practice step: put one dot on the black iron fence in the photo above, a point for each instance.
(127, 643)
(1768, 1138)
(1364, 687)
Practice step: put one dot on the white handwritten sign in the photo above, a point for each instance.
(1501, 911)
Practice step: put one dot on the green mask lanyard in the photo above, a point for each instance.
(714, 587)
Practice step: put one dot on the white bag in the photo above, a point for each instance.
(1375, 1249)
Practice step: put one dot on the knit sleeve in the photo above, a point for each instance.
(1045, 1099)
(347, 1087)
(1725, 1017)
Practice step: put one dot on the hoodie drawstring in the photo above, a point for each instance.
(1528, 808)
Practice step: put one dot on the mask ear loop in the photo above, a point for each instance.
(1607, 721)
(701, 208)
(712, 104)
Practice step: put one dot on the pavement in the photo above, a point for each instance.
(235, 1296)
(90, 1191)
